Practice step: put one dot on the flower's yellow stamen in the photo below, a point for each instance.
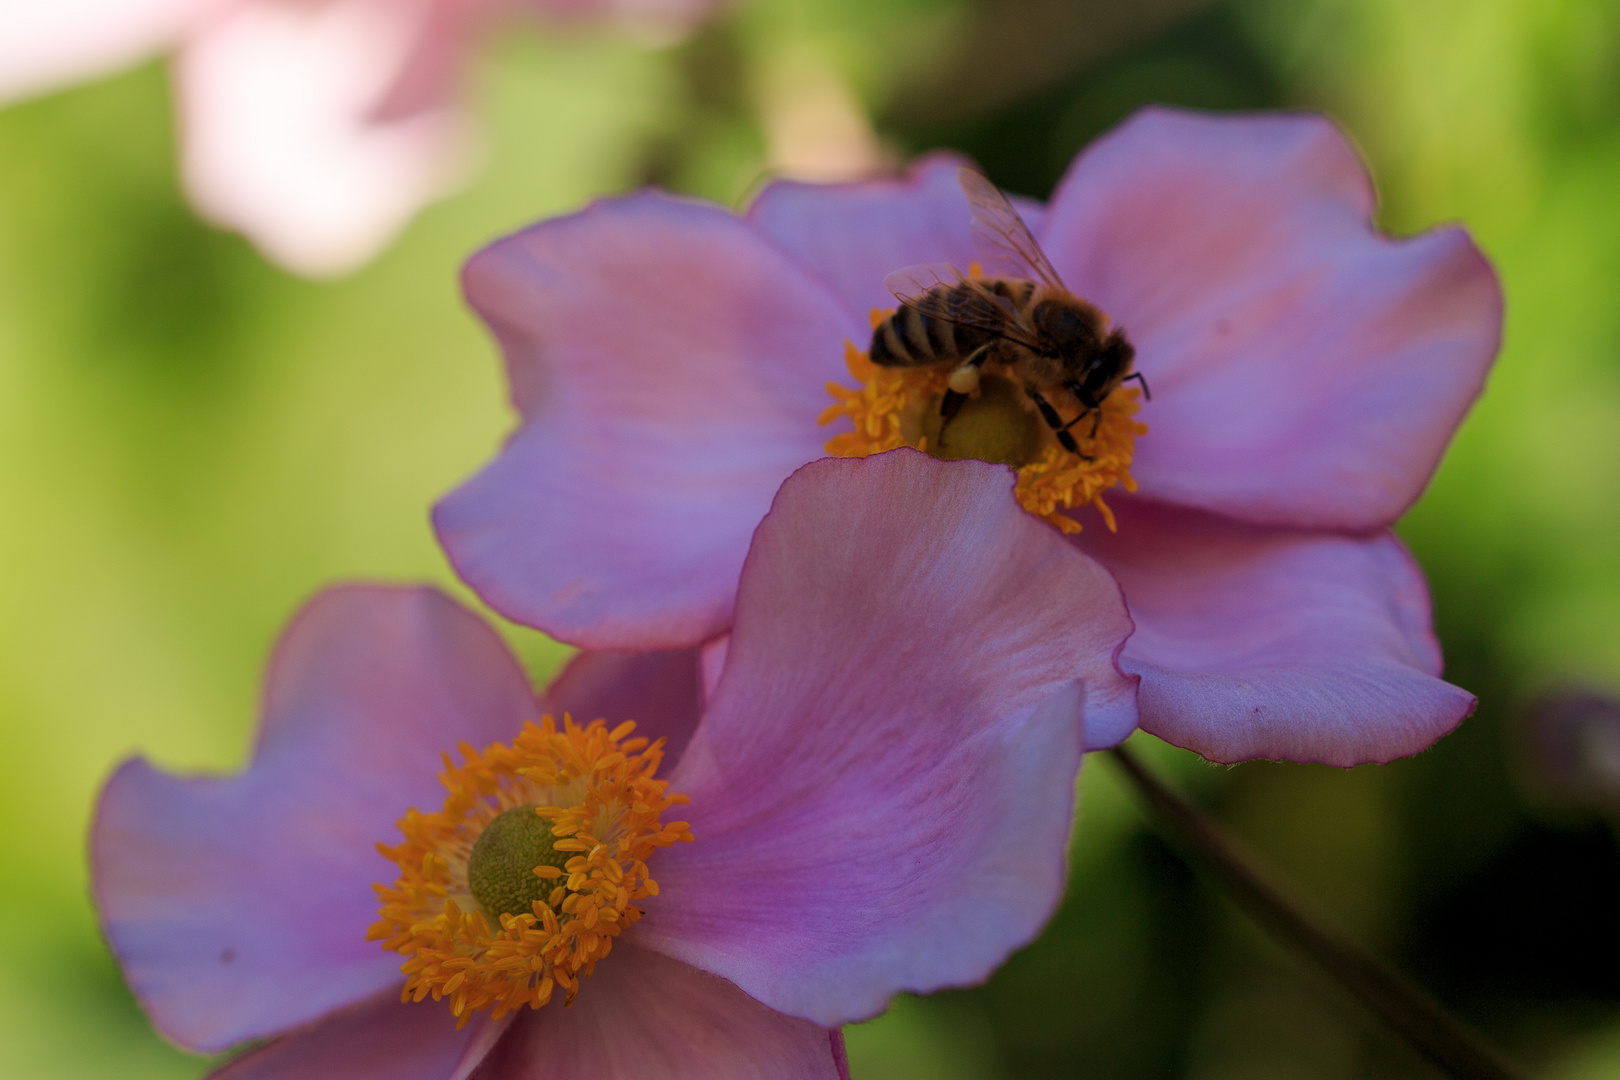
(887, 411)
(470, 926)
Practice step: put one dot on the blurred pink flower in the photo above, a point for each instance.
(669, 361)
(316, 127)
(869, 814)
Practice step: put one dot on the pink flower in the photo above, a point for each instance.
(316, 127)
(670, 359)
(872, 809)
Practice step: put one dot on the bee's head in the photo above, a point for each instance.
(1069, 327)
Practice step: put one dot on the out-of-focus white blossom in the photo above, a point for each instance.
(315, 127)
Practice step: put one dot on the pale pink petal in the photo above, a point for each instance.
(670, 366)
(883, 785)
(45, 44)
(1255, 642)
(661, 691)
(853, 235)
(284, 137)
(642, 1015)
(1305, 370)
(378, 1039)
(443, 35)
(712, 660)
(238, 906)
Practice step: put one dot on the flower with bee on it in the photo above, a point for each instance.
(979, 367)
(671, 360)
(1027, 330)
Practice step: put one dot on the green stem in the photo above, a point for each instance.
(1409, 1011)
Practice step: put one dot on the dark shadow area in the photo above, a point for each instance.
(1114, 986)
(1199, 59)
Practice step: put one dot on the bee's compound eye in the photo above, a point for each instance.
(964, 380)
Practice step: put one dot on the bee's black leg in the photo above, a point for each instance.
(1088, 401)
(1055, 422)
(1137, 376)
(1096, 418)
(949, 406)
(1089, 406)
(951, 403)
(1049, 414)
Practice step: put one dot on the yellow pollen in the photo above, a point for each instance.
(887, 413)
(595, 791)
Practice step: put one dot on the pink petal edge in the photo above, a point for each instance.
(377, 1039)
(644, 1015)
(852, 235)
(931, 695)
(238, 906)
(661, 691)
(656, 429)
(1255, 642)
(1306, 371)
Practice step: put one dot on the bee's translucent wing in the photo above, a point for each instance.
(929, 288)
(1001, 232)
(911, 283)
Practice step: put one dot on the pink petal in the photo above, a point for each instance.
(712, 661)
(1263, 643)
(645, 1015)
(661, 691)
(238, 906)
(285, 133)
(444, 35)
(852, 235)
(45, 44)
(1305, 370)
(377, 1039)
(670, 366)
(883, 785)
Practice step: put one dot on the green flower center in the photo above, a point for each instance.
(994, 425)
(500, 871)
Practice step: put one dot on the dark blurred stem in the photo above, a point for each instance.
(1408, 1010)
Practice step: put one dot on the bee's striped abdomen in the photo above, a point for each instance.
(909, 338)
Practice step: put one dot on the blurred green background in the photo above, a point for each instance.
(192, 442)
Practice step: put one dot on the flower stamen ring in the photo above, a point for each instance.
(521, 882)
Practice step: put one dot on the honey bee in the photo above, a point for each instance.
(1049, 342)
